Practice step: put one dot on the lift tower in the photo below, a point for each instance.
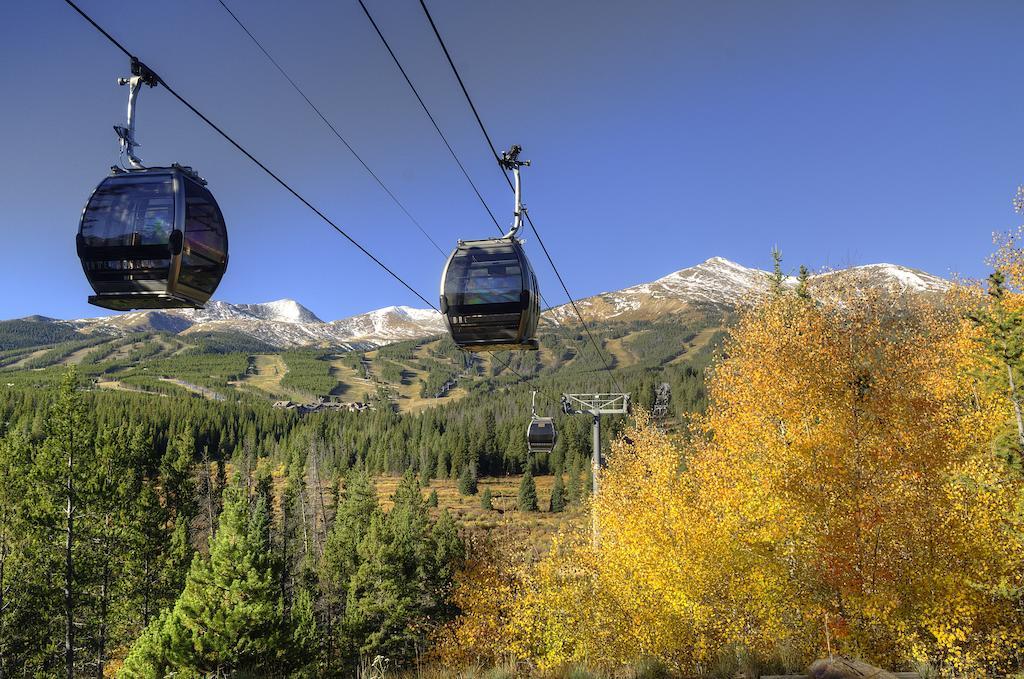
(595, 405)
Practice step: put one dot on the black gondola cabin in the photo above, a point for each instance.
(540, 435)
(489, 296)
(152, 239)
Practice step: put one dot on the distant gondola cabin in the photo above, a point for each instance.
(541, 435)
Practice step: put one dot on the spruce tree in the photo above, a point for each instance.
(527, 493)
(575, 489)
(777, 278)
(467, 480)
(802, 280)
(558, 495)
(1004, 341)
(486, 500)
(432, 498)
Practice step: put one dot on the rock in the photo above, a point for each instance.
(846, 668)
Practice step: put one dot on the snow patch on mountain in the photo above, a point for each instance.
(716, 282)
(903, 278)
(391, 324)
(283, 323)
(724, 283)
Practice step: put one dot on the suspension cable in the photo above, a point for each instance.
(494, 152)
(253, 158)
(331, 126)
(267, 170)
(437, 128)
(426, 110)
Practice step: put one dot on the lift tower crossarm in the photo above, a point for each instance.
(595, 405)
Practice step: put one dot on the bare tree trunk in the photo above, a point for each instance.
(319, 489)
(248, 471)
(305, 531)
(69, 564)
(1016, 405)
(208, 479)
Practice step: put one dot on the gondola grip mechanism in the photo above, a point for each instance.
(141, 75)
(510, 161)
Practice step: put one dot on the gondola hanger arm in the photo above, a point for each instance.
(141, 75)
(509, 160)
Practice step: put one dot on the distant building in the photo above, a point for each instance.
(323, 405)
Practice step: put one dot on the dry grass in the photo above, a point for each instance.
(537, 527)
(270, 368)
(406, 397)
(697, 343)
(617, 348)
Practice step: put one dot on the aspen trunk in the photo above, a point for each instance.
(1016, 406)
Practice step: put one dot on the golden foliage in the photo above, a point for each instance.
(840, 487)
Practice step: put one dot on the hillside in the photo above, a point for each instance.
(281, 351)
(723, 284)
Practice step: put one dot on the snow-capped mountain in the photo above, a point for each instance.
(717, 283)
(891, 277)
(395, 323)
(283, 323)
(720, 282)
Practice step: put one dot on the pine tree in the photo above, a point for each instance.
(449, 556)
(1004, 342)
(432, 498)
(341, 558)
(575, 489)
(777, 278)
(15, 560)
(467, 480)
(109, 494)
(426, 470)
(527, 493)
(486, 500)
(148, 657)
(386, 589)
(802, 280)
(303, 649)
(180, 503)
(558, 495)
(60, 474)
(228, 619)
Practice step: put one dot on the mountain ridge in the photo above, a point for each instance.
(285, 323)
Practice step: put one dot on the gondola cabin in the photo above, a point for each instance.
(541, 435)
(489, 296)
(152, 238)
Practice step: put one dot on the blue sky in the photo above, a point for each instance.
(662, 133)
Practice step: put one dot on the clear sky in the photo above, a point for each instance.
(662, 133)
